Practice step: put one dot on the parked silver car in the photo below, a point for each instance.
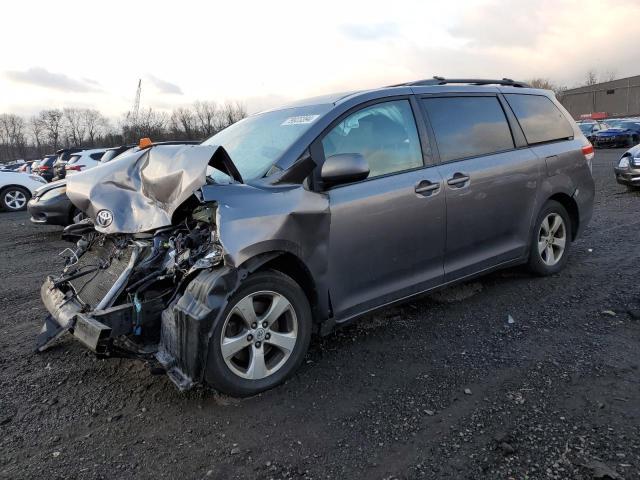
(220, 260)
(627, 170)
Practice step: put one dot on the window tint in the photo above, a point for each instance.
(539, 118)
(384, 134)
(97, 156)
(73, 159)
(468, 126)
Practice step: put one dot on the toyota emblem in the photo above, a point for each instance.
(104, 218)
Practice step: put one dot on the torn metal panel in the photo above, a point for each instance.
(255, 225)
(176, 281)
(140, 192)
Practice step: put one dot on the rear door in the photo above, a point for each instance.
(387, 231)
(490, 184)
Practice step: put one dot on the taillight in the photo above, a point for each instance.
(589, 153)
(44, 168)
(77, 168)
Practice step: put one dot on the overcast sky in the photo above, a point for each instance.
(88, 54)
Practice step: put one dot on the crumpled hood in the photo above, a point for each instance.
(139, 192)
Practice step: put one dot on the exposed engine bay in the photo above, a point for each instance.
(151, 271)
(124, 281)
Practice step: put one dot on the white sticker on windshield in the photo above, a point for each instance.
(300, 120)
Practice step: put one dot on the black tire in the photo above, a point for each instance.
(536, 262)
(220, 375)
(18, 194)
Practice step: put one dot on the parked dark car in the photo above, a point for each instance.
(50, 204)
(627, 170)
(63, 156)
(621, 133)
(220, 260)
(589, 129)
(45, 167)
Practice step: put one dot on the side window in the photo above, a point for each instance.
(468, 126)
(539, 118)
(385, 134)
(97, 156)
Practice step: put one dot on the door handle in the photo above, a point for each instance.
(458, 180)
(425, 187)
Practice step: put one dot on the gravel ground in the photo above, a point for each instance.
(446, 386)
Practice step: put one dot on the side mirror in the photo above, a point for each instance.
(344, 168)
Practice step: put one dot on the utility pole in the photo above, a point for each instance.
(135, 110)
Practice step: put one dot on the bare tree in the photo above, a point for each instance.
(152, 124)
(207, 115)
(610, 75)
(183, 123)
(12, 135)
(36, 127)
(592, 77)
(75, 128)
(543, 83)
(52, 125)
(52, 129)
(95, 124)
(231, 113)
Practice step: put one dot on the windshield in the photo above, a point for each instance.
(257, 142)
(586, 127)
(615, 124)
(630, 125)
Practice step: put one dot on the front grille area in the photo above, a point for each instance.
(93, 287)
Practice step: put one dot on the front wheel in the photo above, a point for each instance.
(262, 335)
(551, 240)
(14, 199)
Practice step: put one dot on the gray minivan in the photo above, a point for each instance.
(220, 260)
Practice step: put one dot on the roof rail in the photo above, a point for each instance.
(471, 81)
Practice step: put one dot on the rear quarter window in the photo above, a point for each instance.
(539, 118)
(96, 156)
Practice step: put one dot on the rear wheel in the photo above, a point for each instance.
(551, 240)
(14, 199)
(262, 335)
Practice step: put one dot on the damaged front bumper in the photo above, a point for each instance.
(66, 316)
(96, 329)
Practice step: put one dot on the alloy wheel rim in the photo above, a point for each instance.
(15, 199)
(259, 335)
(552, 239)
